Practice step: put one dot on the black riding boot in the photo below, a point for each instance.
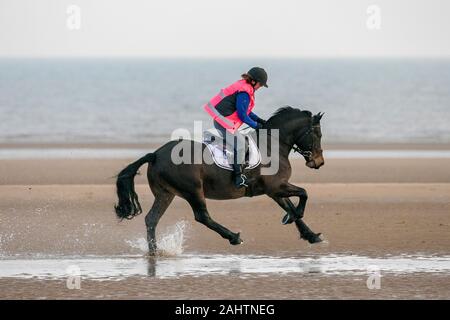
(240, 180)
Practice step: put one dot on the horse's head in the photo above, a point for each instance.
(310, 144)
(300, 130)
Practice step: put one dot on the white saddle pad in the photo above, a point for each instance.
(221, 159)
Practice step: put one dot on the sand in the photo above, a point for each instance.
(368, 207)
(359, 218)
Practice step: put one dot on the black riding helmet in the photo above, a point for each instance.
(259, 75)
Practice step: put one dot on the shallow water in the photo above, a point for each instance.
(120, 267)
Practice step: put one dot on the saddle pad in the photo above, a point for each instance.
(221, 159)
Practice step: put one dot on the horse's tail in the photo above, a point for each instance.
(129, 205)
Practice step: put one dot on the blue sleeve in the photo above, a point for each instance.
(242, 102)
(254, 117)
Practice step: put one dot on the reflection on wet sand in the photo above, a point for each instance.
(120, 267)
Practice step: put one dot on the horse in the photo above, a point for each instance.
(298, 130)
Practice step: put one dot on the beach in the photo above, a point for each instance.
(365, 209)
(84, 94)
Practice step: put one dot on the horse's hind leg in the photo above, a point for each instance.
(198, 205)
(160, 205)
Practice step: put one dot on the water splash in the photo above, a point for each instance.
(5, 239)
(170, 242)
(139, 243)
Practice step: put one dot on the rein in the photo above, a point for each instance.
(306, 153)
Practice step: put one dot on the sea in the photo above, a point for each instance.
(137, 100)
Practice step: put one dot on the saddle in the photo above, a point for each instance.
(222, 152)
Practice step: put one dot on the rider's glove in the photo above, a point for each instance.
(261, 123)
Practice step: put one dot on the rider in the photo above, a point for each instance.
(231, 108)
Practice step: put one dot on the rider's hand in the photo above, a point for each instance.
(262, 122)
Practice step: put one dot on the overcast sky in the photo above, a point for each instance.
(227, 28)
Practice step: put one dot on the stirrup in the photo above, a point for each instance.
(243, 181)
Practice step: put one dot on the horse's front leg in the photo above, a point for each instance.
(305, 232)
(289, 190)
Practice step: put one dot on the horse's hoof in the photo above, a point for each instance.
(287, 219)
(152, 249)
(236, 240)
(315, 238)
(312, 237)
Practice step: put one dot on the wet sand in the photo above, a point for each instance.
(310, 286)
(359, 218)
(96, 171)
(365, 207)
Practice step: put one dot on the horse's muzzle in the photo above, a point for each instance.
(315, 163)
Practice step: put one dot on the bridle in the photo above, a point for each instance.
(306, 153)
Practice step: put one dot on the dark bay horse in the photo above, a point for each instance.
(298, 130)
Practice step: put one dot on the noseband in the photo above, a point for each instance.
(306, 153)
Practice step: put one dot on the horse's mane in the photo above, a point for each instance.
(290, 110)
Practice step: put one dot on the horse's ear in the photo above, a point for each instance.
(320, 115)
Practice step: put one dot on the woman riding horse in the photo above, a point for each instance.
(230, 109)
(299, 130)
